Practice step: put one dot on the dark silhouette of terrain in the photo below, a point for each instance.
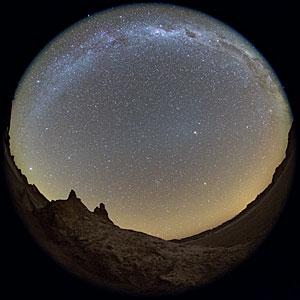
(258, 218)
(91, 246)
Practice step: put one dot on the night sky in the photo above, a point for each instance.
(167, 116)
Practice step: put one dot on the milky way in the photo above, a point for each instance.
(164, 114)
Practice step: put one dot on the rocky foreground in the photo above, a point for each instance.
(89, 244)
(92, 247)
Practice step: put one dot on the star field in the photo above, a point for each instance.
(164, 114)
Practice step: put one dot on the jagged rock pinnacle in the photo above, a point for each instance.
(101, 211)
(72, 195)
